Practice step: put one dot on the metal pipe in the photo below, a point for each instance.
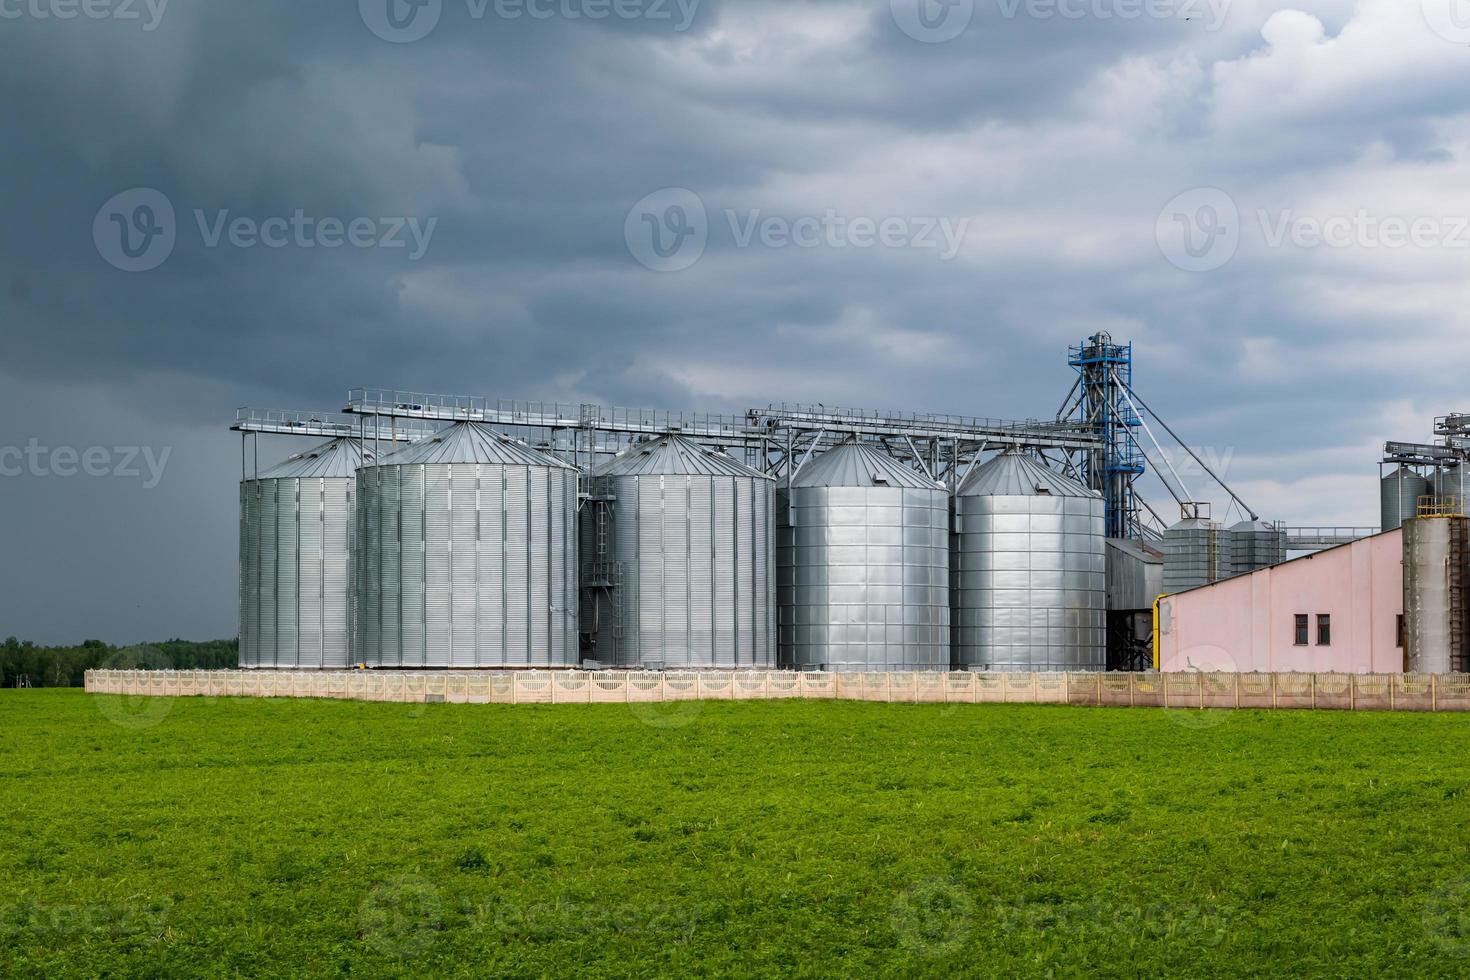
(1163, 455)
(1225, 486)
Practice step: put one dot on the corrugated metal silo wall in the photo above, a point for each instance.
(467, 565)
(698, 588)
(1399, 494)
(1030, 592)
(296, 572)
(863, 578)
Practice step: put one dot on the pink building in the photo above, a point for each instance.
(1336, 610)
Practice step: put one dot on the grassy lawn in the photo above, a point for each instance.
(245, 837)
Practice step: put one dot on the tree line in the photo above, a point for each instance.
(65, 666)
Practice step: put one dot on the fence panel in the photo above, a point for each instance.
(1334, 692)
(1373, 692)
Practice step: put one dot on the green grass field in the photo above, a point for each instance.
(271, 838)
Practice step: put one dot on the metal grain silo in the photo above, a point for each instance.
(692, 553)
(1197, 552)
(296, 527)
(1399, 495)
(1255, 545)
(467, 555)
(1029, 591)
(1452, 486)
(863, 565)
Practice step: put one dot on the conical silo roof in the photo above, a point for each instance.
(853, 464)
(675, 455)
(472, 442)
(1016, 474)
(338, 458)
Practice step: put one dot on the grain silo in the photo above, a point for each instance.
(1399, 494)
(1029, 591)
(1254, 545)
(1452, 485)
(1197, 551)
(690, 549)
(296, 527)
(467, 555)
(863, 565)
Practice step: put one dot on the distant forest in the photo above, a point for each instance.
(64, 666)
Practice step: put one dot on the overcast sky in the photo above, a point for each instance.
(573, 200)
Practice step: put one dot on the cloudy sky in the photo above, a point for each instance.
(706, 204)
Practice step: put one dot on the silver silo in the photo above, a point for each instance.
(863, 565)
(1436, 618)
(689, 578)
(1452, 486)
(1255, 545)
(1197, 552)
(1029, 591)
(1399, 495)
(467, 555)
(296, 526)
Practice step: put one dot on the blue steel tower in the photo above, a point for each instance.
(1105, 373)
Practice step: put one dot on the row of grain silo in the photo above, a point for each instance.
(472, 550)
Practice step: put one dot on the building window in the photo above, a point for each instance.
(1301, 629)
(1324, 630)
(1398, 631)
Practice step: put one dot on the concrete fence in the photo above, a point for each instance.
(1361, 692)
